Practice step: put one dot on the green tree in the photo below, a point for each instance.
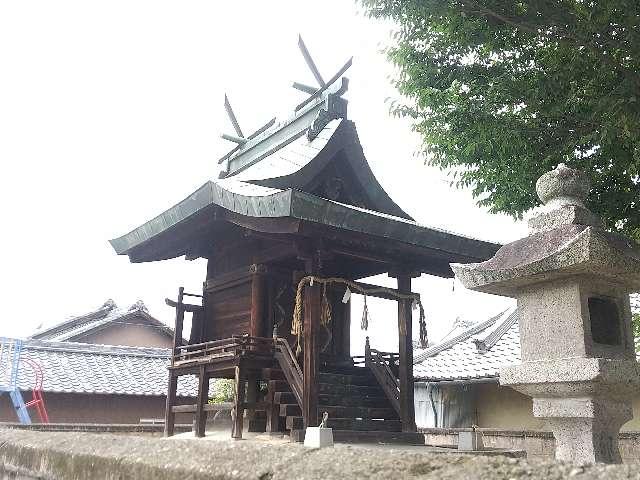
(635, 320)
(502, 91)
(223, 390)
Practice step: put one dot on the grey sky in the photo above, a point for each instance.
(110, 112)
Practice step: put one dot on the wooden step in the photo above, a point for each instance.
(357, 436)
(296, 423)
(351, 390)
(347, 379)
(257, 424)
(339, 411)
(372, 401)
(344, 370)
(284, 397)
(282, 386)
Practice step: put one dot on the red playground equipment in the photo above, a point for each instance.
(37, 400)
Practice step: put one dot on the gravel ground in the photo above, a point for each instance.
(71, 455)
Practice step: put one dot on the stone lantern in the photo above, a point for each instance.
(572, 281)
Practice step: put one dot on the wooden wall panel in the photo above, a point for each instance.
(228, 311)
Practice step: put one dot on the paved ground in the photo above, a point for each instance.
(70, 455)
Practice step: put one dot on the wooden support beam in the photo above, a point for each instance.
(169, 415)
(185, 307)
(407, 408)
(312, 300)
(201, 401)
(239, 405)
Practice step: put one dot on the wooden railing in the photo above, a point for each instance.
(277, 348)
(290, 367)
(219, 349)
(384, 366)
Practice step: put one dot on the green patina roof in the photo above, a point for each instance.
(264, 178)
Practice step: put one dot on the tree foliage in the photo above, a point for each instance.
(635, 320)
(502, 91)
(223, 391)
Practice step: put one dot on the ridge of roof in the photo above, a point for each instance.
(76, 320)
(309, 118)
(479, 327)
(485, 344)
(96, 349)
(99, 319)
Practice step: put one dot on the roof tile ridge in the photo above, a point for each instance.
(494, 337)
(430, 352)
(100, 349)
(106, 307)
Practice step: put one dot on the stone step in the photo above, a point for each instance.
(339, 411)
(357, 436)
(296, 423)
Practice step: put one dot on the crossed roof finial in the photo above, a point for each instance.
(240, 139)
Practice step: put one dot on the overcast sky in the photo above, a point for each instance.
(111, 112)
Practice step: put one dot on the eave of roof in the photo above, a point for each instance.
(303, 206)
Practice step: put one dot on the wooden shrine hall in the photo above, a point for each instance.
(292, 225)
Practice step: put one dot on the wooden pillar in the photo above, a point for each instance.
(256, 327)
(169, 416)
(239, 405)
(346, 331)
(172, 387)
(310, 370)
(407, 407)
(251, 398)
(201, 401)
(177, 331)
(258, 290)
(273, 409)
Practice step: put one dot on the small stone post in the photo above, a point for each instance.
(572, 281)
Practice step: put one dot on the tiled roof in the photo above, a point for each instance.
(72, 367)
(107, 314)
(477, 353)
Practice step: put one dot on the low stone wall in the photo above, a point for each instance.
(538, 445)
(152, 429)
(30, 455)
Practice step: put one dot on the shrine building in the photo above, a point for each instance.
(295, 221)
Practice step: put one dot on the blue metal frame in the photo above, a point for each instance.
(10, 350)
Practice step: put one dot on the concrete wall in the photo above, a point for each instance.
(538, 444)
(499, 407)
(504, 408)
(86, 408)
